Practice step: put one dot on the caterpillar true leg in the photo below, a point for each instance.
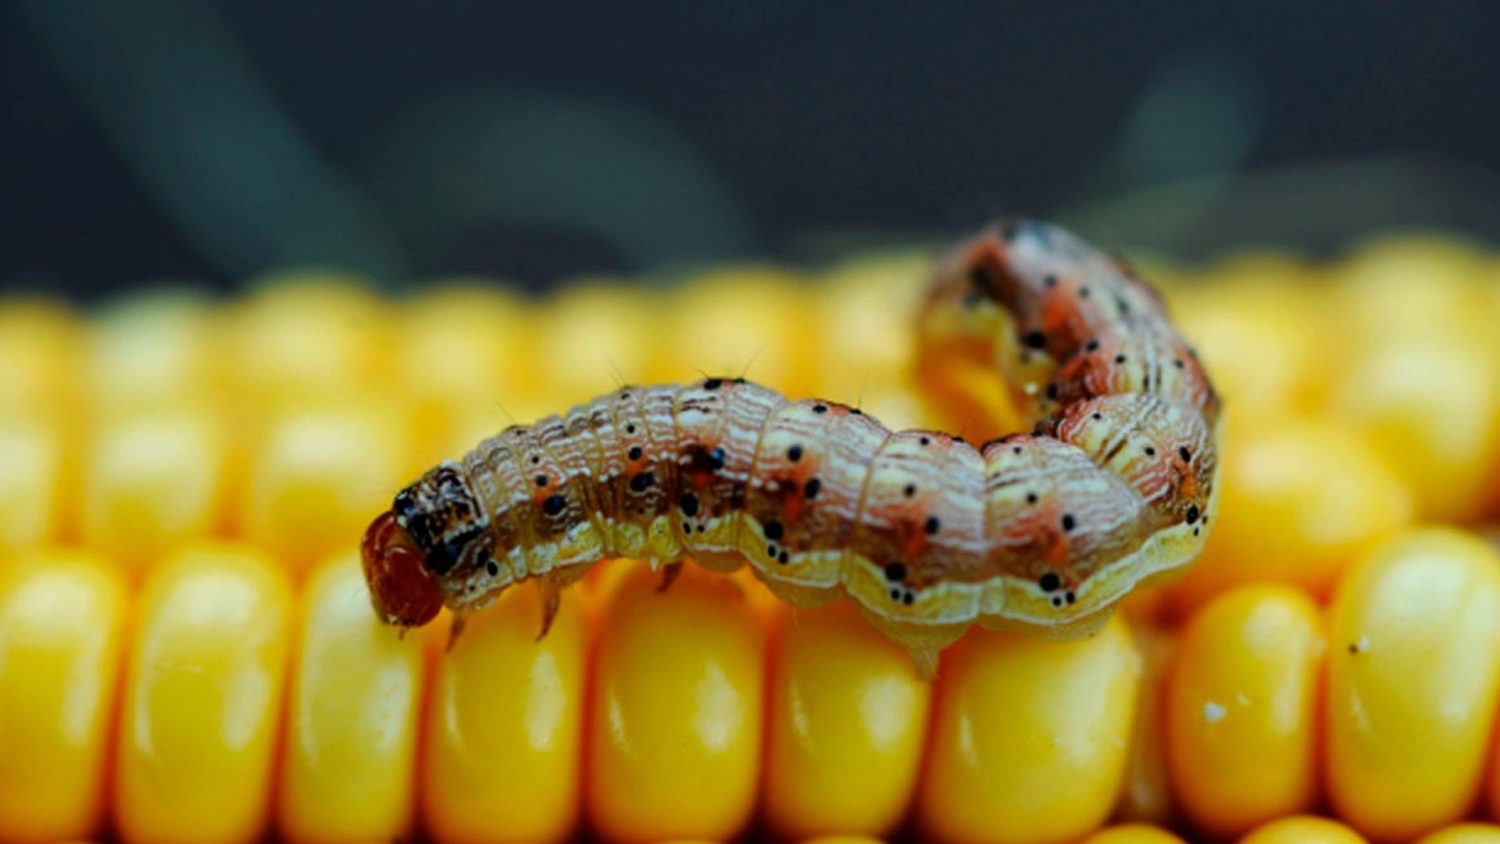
(1042, 531)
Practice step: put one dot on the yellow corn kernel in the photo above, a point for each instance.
(1410, 285)
(39, 342)
(962, 391)
(504, 725)
(1260, 332)
(464, 350)
(896, 408)
(349, 758)
(1133, 833)
(307, 335)
(749, 320)
(1431, 405)
(864, 335)
(151, 351)
(62, 615)
(1464, 833)
(1242, 709)
(1147, 792)
(319, 476)
(1029, 736)
(1302, 501)
(152, 480)
(31, 485)
(675, 725)
(842, 839)
(202, 698)
(593, 337)
(1303, 829)
(847, 715)
(1413, 682)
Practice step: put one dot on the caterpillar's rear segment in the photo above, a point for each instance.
(1043, 532)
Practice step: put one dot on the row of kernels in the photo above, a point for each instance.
(191, 420)
(1390, 703)
(1299, 829)
(240, 710)
(1395, 342)
(1028, 737)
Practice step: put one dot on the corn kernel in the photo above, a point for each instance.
(1413, 682)
(1242, 709)
(151, 351)
(1029, 736)
(39, 342)
(1259, 330)
(349, 759)
(308, 335)
(202, 698)
(864, 316)
(31, 486)
(1303, 829)
(847, 713)
(152, 480)
(1133, 834)
(741, 320)
(597, 337)
(1411, 285)
(1432, 407)
(319, 475)
(963, 392)
(1464, 833)
(675, 732)
(62, 616)
(842, 839)
(503, 758)
(1302, 501)
(463, 352)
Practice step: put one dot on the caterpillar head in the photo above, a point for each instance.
(435, 526)
(400, 588)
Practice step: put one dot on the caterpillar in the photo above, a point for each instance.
(1042, 532)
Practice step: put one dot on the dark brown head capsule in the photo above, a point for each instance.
(400, 588)
(434, 527)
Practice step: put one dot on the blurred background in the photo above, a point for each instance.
(168, 139)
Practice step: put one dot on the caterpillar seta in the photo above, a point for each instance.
(1042, 531)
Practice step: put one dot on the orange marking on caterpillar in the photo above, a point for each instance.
(1044, 532)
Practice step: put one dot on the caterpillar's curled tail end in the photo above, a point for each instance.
(400, 588)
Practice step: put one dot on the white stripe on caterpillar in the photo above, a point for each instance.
(1044, 531)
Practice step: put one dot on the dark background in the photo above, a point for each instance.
(170, 139)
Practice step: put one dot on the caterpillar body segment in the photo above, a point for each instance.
(1043, 531)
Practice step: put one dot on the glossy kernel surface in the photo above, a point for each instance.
(202, 699)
